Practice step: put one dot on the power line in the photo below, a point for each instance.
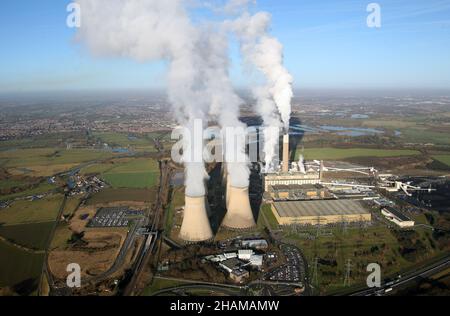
(348, 270)
(315, 272)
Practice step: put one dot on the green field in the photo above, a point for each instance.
(71, 205)
(266, 211)
(392, 124)
(45, 141)
(118, 195)
(122, 140)
(33, 236)
(44, 187)
(416, 135)
(26, 212)
(97, 168)
(131, 180)
(138, 173)
(142, 143)
(160, 284)
(27, 158)
(8, 184)
(337, 153)
(18, 266)
(443, 158)
(44, 162)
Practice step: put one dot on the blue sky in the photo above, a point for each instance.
(327, 45)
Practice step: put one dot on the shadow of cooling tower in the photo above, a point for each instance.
(217, 194)
(296, 137)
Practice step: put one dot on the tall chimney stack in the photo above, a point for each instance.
(239, 212)
(285, 153)
(196, 226)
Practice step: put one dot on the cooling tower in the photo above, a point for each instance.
(286, 153)
(239, 212)
(196, 226)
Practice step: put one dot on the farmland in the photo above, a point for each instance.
(139, 143)
(25, 212)
(38, 189)
(33, 236)
(118, 195)
(138, 173)
(43, 162)
(20, 267)
(337, 153)
(443, 158)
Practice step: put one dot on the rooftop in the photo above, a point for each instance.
(397, 214)
(319, 208)
(295, 187)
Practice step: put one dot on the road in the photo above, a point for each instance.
(180, 288)
(155, 224)
(426, 272)
(45, 266)
(131, 237)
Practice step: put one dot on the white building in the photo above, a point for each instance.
(255, 243)
(231, 255)
(397, 218)
(256, 261)
(245, 254)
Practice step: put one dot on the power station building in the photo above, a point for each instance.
(297, 192)
(320, 212)
(291, 178)
(292, 174)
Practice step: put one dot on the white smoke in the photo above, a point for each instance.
(301, 164)
(265, 53)
(197, 57)
(236, 6)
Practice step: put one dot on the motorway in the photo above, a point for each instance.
(405, 281)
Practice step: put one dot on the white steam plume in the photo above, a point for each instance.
(197, 56)
(265, 53)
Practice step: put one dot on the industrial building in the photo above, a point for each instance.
(292, 174)
(236, 264)
(397, 217)
(291, 178)
(320, 212)
(239, 275)
(259, 244)
(298, 192)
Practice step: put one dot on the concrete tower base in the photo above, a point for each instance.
(196, 226)
(239, 212)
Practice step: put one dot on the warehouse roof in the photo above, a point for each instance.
(397, 214)
(319, 208)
